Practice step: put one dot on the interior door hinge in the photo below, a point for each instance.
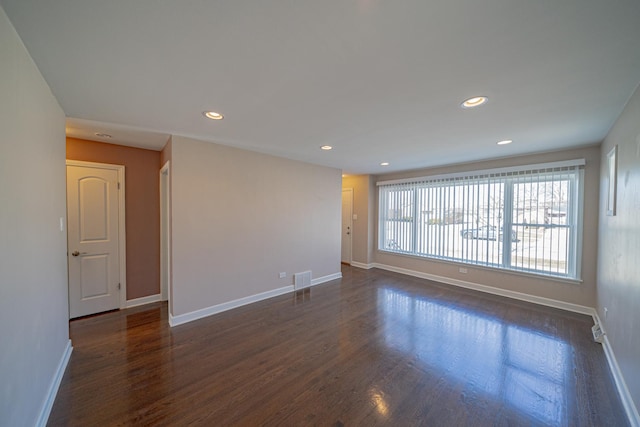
(118, 186)
(119, 287)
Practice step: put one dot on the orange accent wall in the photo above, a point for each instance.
(142, 208)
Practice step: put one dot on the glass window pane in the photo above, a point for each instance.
(463, 219)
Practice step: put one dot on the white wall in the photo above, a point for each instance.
(619, 247)
(239, 218)
(33, 272)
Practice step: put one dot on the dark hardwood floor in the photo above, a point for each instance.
(374, 348)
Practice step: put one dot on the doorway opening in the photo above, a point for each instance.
(165, 234)
(347, 225)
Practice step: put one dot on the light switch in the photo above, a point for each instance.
(355, 216)
(61, 224)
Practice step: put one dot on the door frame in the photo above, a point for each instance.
(350, 192)
(122, 235)
(165, 233)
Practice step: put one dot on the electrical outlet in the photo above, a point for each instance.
(606, 312)
(462, 270)
(283, 275)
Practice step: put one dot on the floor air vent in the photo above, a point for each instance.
(302, 280)
(598, 334)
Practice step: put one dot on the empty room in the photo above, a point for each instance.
(344, 213)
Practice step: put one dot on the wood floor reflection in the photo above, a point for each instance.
(374, 348)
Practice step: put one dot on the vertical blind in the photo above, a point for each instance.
(526, 219)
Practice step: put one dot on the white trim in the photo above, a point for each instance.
(95, 165)
(361, 265)
(459, 263)
(122, 249)
(492, 290)
(621, 385)
(219, 308)
(534, 167)
(580, 183)
(326, 278)
(165, 234)
(350, 191)
(144, 300)
(54, 386)
(612, 180)
(122, 235)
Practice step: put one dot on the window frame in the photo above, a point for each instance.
(509, 178)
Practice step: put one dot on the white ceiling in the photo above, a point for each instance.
(379, 80)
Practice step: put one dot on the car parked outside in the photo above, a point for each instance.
(488, 232)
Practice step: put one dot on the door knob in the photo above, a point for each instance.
(75, 253)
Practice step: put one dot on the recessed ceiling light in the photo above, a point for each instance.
(213, 115)
(505, 142)
(384, 164)
(103, 135)
(326, 147)
(476, 101)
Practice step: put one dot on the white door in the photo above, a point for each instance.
(93, 239)
(347, 224)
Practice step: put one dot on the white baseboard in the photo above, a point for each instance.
(326, 278)
(492, 290)
(361, 265)
(621, 385)
(219, 308)
(144, 300)
(199, 314)
(54, 386)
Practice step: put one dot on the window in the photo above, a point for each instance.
(525, 219)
